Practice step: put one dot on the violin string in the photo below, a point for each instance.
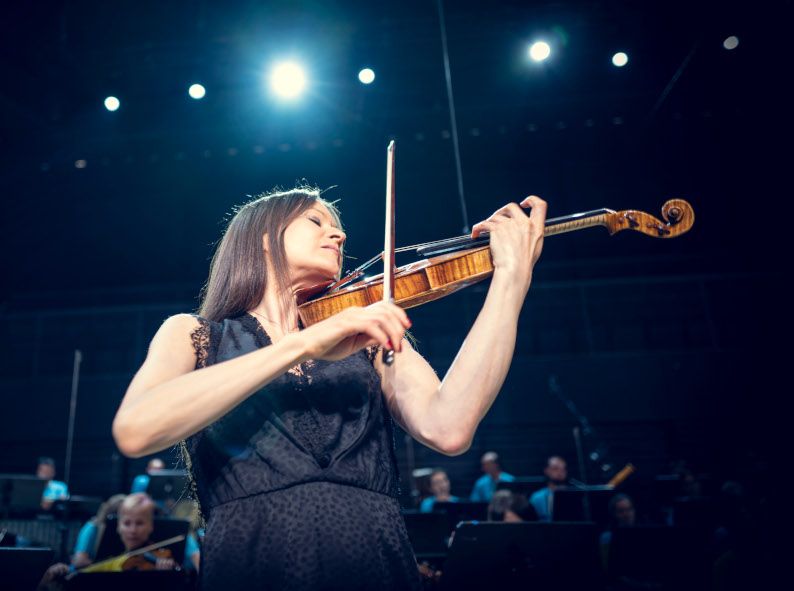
(549, 223)
(446, 241)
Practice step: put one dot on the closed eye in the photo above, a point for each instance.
(316, 221)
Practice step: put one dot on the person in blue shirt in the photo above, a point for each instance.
(89, 535)
(485, 486)
(55, 489)
(556, 472)
(135, 524)
(88, 538)
(141, 481)
(440, 487)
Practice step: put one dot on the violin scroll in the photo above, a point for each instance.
(677, 213)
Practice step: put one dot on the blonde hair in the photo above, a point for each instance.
(137, 501)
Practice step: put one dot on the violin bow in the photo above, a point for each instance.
(388, 243)
(118, 560)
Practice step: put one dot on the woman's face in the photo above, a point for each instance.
(313, 245)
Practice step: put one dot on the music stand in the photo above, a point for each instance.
(155, 580)
(21, 569)
(522, 556)
(461, 511)
(20, 494)
(568, 504)
(165, 485)
(78, 507)
(428, 533)
(659, 555)
(522, 485)
(164, 528)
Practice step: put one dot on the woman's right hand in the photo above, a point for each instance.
(353, 329)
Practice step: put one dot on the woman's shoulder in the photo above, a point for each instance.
(197, 329)
(184, 331)
(186, 323)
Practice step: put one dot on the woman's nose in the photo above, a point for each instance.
(339, 236)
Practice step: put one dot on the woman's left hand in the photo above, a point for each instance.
(516, 239)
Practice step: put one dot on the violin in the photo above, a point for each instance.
(141, 559)
(452, 264)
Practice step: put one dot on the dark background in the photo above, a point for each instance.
(672, 349)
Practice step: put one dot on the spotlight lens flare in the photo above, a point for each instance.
(287, 80)
(366, 76)
(539, 51)
(620, 59)
(112, 103)
(196, 91)
(731, 42)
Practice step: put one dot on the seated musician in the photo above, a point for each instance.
(510, 508)
(141, 481)
(485, 486)
(91, 532)
(55, 489)
(440, 487)
(134, 526)
(621, 514)
(556, 472)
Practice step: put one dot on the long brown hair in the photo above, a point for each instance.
(238, 273)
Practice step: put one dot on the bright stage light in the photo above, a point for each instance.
(112, 103)
(366, 76)
(539, 51)
(196, 91)
(287, 80)
(731, 42)
(620, 59)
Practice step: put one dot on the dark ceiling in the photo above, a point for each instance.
(685, 118)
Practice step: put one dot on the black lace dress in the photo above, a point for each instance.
(298, 484)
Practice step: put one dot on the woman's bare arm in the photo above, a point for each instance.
(445, 414)
(168, 401)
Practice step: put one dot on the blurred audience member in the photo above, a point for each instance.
(621, 514)
(87, 539)
(485, 486)
(556, 472)
(134, 526)
(510, 508)
(55, 489)
(440, 487)
(141, 482)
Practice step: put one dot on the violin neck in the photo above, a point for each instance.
(561, 225)
(577, 221)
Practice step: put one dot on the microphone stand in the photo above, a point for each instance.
(67, 470)
(582, 473)
(583, 429)
(410, 459)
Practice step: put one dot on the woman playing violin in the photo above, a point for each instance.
(288, 430)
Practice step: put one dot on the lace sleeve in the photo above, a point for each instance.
(200, 337)
(372, 352)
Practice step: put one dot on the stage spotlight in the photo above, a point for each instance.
(112, 103)
(287, 80)
(620, 59)
(539, 51)
(366, 76)
(196, 91)
(731, 42)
